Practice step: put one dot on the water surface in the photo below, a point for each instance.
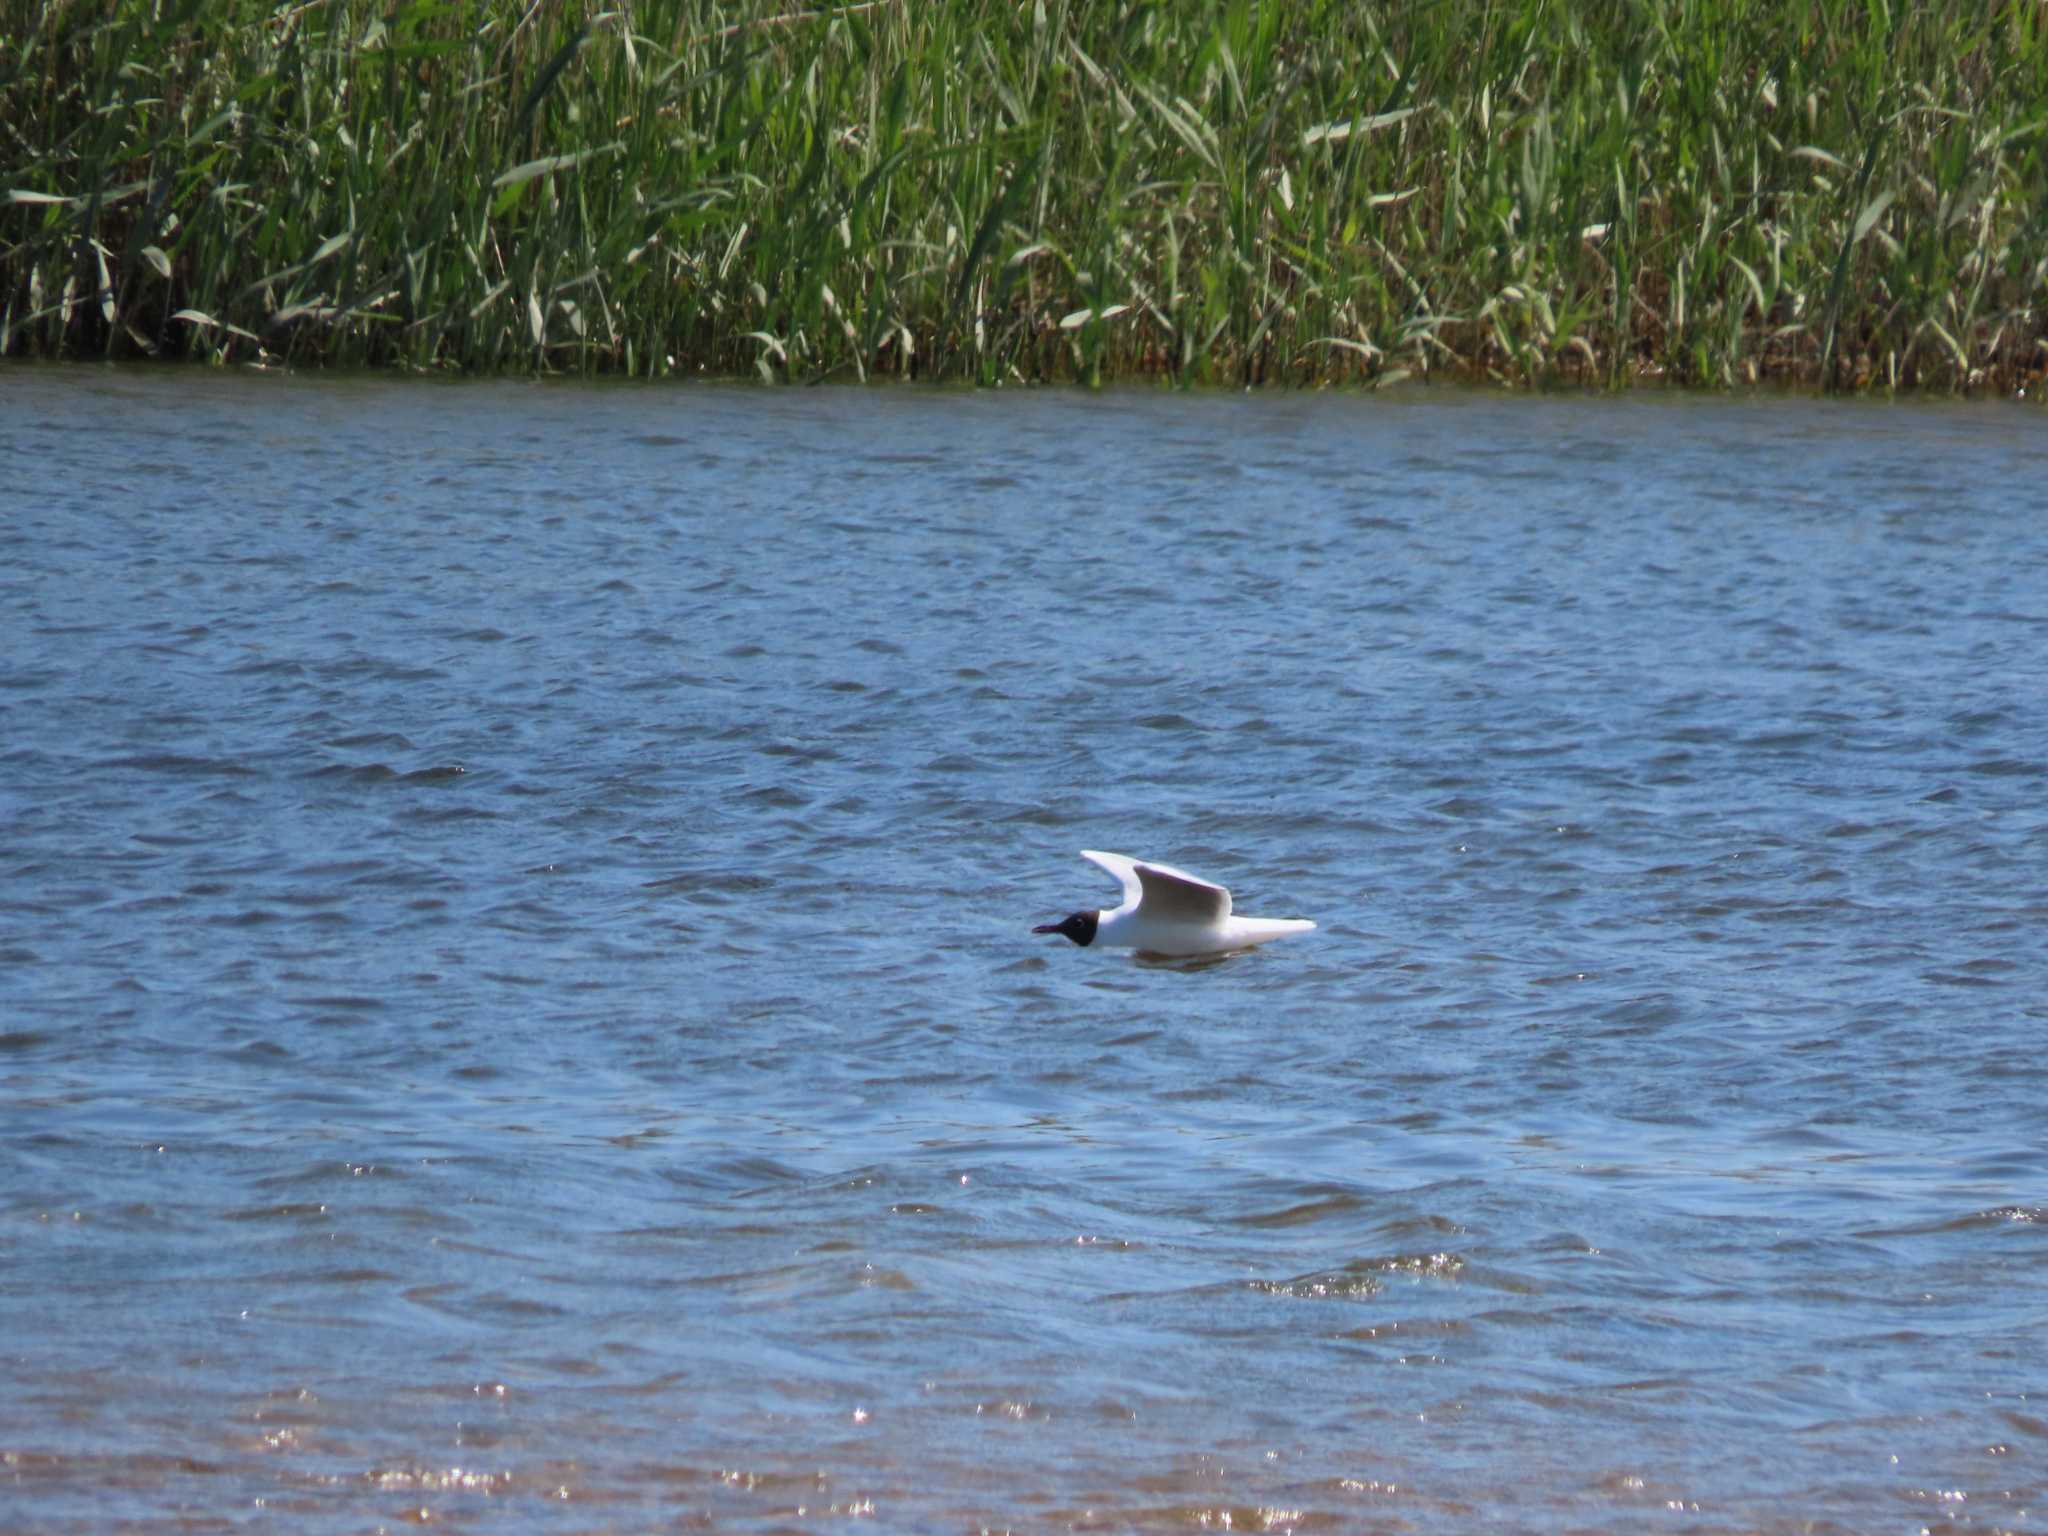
(520, 1008)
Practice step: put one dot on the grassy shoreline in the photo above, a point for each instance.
(1708, 192)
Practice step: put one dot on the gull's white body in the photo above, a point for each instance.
(1168, 911)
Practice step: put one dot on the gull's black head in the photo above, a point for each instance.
(1078, 926)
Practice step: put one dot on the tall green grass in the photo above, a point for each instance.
(1708, 191)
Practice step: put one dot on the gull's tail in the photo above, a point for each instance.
(1247, 931)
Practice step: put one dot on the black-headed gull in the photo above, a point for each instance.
(1168, 911)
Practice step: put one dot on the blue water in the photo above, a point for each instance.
(519, 1006)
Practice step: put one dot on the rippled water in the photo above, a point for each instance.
(520, 1008)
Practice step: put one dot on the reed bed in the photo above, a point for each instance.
(1705, 191)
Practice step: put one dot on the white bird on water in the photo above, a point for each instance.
(1167, 911)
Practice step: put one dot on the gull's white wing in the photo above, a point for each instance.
(1162, 892)
(1125, 870)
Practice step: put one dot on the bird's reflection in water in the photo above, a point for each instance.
(1152, 960)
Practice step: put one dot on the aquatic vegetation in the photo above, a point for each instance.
(1706, 191)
